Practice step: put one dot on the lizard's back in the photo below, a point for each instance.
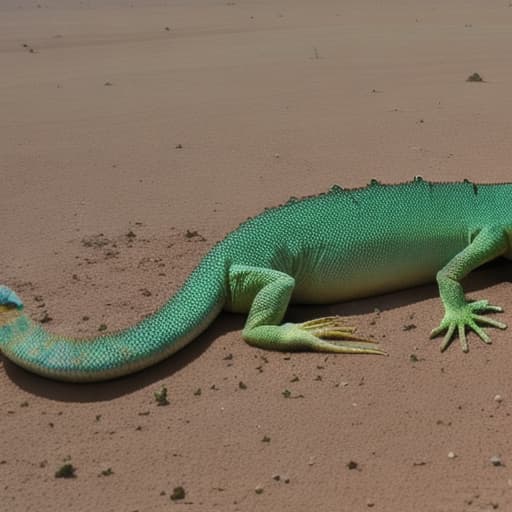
(353, 243)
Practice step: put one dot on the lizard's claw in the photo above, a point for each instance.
(330, 334)
(467, 316)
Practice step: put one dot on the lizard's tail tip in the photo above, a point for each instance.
(9, 299)
(11, 308)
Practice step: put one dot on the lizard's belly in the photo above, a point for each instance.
(355, 275)
(356, 286)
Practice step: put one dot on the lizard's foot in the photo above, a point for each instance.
(328, 334)
(331, 334)
(467, 316)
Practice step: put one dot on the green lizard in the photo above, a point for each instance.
(333, 247)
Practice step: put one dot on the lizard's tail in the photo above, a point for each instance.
(158, 336)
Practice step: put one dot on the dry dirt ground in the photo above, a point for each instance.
(133, 135)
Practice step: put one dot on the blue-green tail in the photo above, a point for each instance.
(158, 336)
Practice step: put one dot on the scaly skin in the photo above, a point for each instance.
(337, 246)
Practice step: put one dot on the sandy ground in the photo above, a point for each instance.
(123, 125)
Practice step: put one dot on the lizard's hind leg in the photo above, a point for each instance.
(266, 294)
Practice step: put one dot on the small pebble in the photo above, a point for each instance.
(496, 461)
(498, 398)
(258, 489)
(276, 477)
(178, 493)
(451, 455)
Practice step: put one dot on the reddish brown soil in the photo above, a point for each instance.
(126, 124)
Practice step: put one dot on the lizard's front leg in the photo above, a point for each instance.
(488, 244)
(266, 293)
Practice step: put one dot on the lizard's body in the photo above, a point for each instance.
(333, 247)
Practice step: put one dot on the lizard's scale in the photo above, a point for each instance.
(335, 246)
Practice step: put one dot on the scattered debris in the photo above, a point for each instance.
(475, 77)
(161, 396)
(95, 240)
(496, 461)
(45, 318)
(66, 471)
(194, 234)
(178, 493)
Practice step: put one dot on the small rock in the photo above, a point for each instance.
(498, 398)
(496, 461)
(258, 489)
(161, 396)
(178, 493)
(66, 471)
(451, 455)
(475, 77)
